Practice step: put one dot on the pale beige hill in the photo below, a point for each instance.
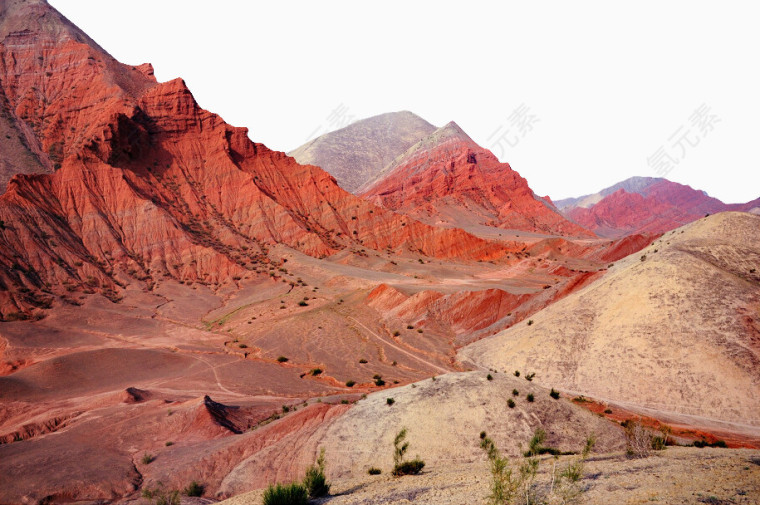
(674, 328)
(444, 416)
(676, 476)
(357, 153)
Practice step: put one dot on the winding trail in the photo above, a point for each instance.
(391, 344)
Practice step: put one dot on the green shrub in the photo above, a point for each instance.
(379, 382)
(554, 394)
(390, 401)
(194, 489)
(515, 392)
(282, 359)
(350, 384)
(530, 397)
(396, 333)
(147, 458)
(489, 377)
(315, 371)
(517, 373)
(374, 471)
(511, 403)
(530, 376)
(363, 361)
(530, 322)
(169, 444)
(302, 303)
(401, 467)
(289, 494)
(412, 467)
(315, 481)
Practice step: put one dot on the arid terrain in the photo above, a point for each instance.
(179, 304)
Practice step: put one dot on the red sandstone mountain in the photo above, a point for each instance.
(448, 179)
(355, 154)
(147, 185)
(644, 205)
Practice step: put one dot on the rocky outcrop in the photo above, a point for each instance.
(645, 205)
(448, 179)
(356, 154)
(149, 186)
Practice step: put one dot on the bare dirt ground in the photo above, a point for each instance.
(676, 476)
(282, 359)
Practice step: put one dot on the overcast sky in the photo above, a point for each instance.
(574, 95)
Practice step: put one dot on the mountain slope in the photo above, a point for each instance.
(644, 205)
(148, 185)
(448, 179)
(356, 153)
(674, 328)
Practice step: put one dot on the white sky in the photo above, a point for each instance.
(609, 83)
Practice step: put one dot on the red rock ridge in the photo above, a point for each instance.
(659, 207)
(148, 185)
(447, 178)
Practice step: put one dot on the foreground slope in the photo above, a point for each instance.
(448, 179)
(644, 205)
(674, 328)
(356, 154)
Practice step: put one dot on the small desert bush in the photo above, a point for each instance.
(282, 359)
(412, 467)
(489, 377)
(390, 401)
(554, 394)
(288, 494)
(194, 489)
(160, 496)
(350, 384)
(374, 471)
(515, 392)
(638, 439)
(530, 397)
(511, 403)
(147, 459)
(401, 467)
(315, 481)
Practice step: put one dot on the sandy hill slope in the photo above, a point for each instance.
(149, 186)
(644, 205)
(444, 416)
(355, 154)
(448, 179)
(673, 328)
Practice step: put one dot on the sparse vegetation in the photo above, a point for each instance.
(374, 471)
(511, 403)
(530, 397)
(289, 494)
(638, 439)
(350, 384)
(169, 443)
(530, 322)
(489, 377)
(315, 481)
(515, 392)
(516, 485)
(530, 376)
(363, 361)
(194, 489)
(517, 373)
(390, 401)
(554, 394)
(160, 496)
(147, 458)
(315, 371)
(643, 257)
(401, 467)
(282, 359)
